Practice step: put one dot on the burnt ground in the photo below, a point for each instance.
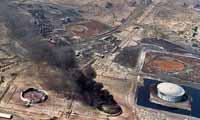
(128, 56)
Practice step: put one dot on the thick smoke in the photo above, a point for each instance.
(57, 69)
(27, 43)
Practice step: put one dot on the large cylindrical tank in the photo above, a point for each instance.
(170, 92)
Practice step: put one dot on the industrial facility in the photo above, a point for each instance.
(99, 60)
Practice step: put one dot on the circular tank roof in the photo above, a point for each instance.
(170, 89)
(33, 96)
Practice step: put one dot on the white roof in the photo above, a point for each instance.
(170, 89)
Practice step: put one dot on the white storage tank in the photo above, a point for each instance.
(170, 92)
